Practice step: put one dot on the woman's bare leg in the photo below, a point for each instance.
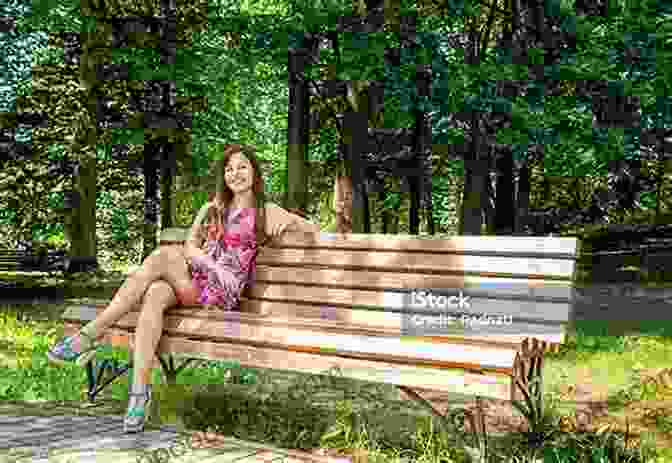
(165, 263)
(159, 296)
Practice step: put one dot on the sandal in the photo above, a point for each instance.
(62, 353)
(136, 415)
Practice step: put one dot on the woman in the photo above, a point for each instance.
(236, 221)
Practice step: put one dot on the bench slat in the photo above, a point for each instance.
(543, 312)
(336, 318)
(455, 381)
(479, 244)
(505, 244)
(420, 262)
(390, 280)
(304, 339)
(446, 380)
(367, 260)
(370, 320)
(391, 349)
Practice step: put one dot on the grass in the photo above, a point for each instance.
(288, 417)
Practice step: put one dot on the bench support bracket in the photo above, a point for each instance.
(95, 372)
(454, 420)
(168, 367)
(111, 369)
(527, 378)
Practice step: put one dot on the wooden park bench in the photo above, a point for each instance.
(31, 261)
(342, 301)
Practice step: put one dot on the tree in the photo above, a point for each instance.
(516, 134)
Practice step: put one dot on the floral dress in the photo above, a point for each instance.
(232, 245)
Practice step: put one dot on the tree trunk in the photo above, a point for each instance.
(489, 211)
(475, 176)
(394, 223)
(660, 178)
(356, 130)
(151, 175)
(522, 198)
(343, 203)
(81, 223)
(471, 210)
(367, 213)
(386, 217)
(414, 210)
(167, 178)
(546, 188)
(504, 199)
(423, 148)
(297, 134)
(429, 213)
(475, 170)
(166, 202)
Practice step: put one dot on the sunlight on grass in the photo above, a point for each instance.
(613, 370)
(22, 334)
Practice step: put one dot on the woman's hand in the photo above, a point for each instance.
(192, 252)
(279, 221)
(278, 229)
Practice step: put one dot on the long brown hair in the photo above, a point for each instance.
(224, 195)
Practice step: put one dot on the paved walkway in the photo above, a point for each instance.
(100, 439)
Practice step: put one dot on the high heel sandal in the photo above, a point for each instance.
(136, 415)
(63, 354)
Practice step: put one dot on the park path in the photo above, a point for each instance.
(100, 439)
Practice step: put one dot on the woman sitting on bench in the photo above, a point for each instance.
(239, 221)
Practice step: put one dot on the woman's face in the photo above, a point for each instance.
(239, 174)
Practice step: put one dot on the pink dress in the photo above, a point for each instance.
(233, 248)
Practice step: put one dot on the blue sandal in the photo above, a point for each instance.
(136, 415)
(63, 354)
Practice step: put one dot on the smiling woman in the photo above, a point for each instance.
(212, 268)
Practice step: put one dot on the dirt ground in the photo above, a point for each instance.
(586, 407)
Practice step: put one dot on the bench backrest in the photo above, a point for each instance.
(521, 286)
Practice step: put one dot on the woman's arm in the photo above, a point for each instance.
(300, 223)
(192, 245)
(279, 220)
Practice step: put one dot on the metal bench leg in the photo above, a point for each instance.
(454, 420)
(168, 367)
(424, 402)
(95, 371)
(527, 378)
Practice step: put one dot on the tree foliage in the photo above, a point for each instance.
(586, 102)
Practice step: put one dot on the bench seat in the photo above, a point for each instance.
(258, 341)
